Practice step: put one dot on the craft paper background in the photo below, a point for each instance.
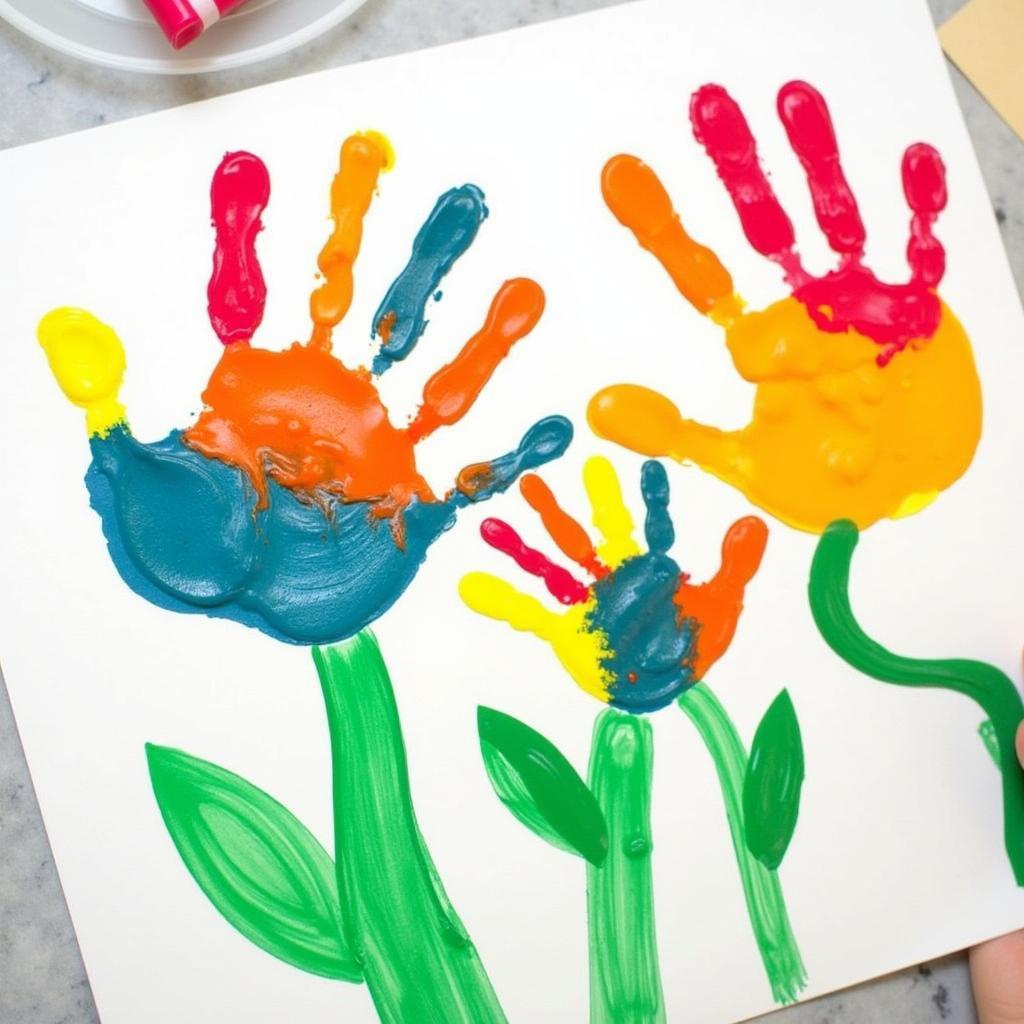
(898, 854)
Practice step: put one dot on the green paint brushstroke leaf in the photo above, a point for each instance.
(536, 782)
(772, 783)
(255, 861)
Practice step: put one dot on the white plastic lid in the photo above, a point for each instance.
(122, 33)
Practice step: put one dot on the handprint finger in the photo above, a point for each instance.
(237, 294)
(497, 599)
(364, 157)
(805, 116)
(720, 127)
(611, 516)
(580, 649)
(451, 392)
(562, 528)
(924, 184)
(547, 439)
(88, 362)
(560, 583)
(647, 422)
(717, 604)
(633, 192)
(742, 550)
(445, 236)
(658, 528)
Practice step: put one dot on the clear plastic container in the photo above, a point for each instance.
(122, 34)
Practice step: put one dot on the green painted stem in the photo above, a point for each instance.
(761, 888)
(625, 983)
(991, 689)
(420, 964)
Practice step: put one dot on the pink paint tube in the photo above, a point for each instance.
(185, 20)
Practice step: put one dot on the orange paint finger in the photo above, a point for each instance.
(570, 537)
(363, 157)
(451, 392)
(742, 551)
(639, 201)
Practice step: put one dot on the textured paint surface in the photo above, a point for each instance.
(640, 632)
(417, 958)
(237, 292)
(625, 980)
(772, 784)
(293, 503)
(766, 907)
(986, 685)
(445, 236)
(536, 782)
(867, 400)
(255, 861)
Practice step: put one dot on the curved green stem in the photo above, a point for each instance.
(420, 964)
(761, 888)
(625, 983)
(991, 689)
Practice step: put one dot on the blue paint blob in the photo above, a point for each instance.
(651, 646)
(445, 235)
(184, 533)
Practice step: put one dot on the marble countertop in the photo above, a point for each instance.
(42, 980)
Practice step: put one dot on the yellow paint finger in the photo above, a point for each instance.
(611, 516)
(88, 362)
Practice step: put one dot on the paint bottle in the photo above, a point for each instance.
(184, 20)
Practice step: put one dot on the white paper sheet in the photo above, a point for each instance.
(898, 855)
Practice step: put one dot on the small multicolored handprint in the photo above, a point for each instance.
(293, 503)
(639, 636)
(640, 633)
(868, 402)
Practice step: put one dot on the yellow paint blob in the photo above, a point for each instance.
(611, 516)
(581, 651)
(833, 435)
(87, 359)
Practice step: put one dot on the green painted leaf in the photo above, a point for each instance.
(255, 861)
(771, 786)
(540, 787)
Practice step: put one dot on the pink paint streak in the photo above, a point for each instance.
(560, 583)
(850, 296)
(237, 293)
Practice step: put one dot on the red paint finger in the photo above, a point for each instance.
(805, 116)
(720, 127)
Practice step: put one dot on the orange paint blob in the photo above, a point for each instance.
(639, 201)
(570, 537)
(308, 422)
(450, 392)
(833, 435)
(714, 607)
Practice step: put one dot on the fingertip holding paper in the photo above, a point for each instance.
(183, 21)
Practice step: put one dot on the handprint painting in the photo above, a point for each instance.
(294, 504)
(638, 637)
(867, 402)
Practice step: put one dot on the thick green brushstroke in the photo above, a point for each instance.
(625, 983)
(987, 732)
(419, 963)
(771, 787)
(255, 861)
(991, 689)
(536, 782)
(761, 889)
